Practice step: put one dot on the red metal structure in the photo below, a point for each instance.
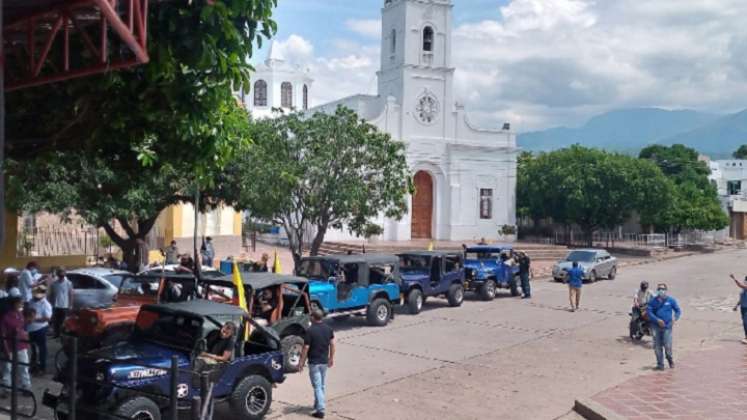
(46, 41)
(52, 40)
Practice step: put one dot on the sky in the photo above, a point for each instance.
(541, 63)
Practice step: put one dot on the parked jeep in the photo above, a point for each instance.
(275, 300)
(342, 285)
(96, 327)
(485, 270)
(431, 273)
(132, 379)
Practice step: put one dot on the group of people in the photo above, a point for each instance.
(28, 304)
(207, 253)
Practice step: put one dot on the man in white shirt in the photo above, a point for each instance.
(62, 300)
(28, 279)
(38, 329)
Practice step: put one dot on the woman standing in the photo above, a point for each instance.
(742, 304)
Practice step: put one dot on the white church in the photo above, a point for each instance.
(464, 176)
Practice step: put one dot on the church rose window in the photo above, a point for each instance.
(305, 97)
(286, 95)
(428, 39)
(486, 203)
(260, 93)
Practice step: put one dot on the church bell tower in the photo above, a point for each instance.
(416, 67)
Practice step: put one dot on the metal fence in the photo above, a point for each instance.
(626, 240)
(58, 240)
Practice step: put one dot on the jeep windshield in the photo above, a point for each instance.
(472, 254)
(315, 269)
(414, 263)
(580, 256)
(168, 329)
(140, 286)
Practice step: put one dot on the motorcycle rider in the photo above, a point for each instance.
(642, 297)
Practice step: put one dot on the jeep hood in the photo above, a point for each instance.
(142, 351)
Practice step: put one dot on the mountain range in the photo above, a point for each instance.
(630, 130)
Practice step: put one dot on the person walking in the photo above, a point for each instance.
(12, 324)
(37, 329)
(171, 254)
(663, 311)
(525, 267)
(319, 350)
(27, 280)
(62, 300)
(742, 304)
(575, 279)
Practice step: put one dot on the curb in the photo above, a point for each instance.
(593, 411)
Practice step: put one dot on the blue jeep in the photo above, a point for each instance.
(431, 273)
(486, 270)
(132, 379)
(342, 285)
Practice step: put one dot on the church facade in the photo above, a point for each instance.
(465, 176)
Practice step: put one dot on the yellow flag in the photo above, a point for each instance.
(276, 268)
(430, 246)
(241, 295)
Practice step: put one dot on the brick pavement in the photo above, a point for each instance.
(710, 384)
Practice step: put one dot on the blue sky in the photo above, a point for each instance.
(542, 63)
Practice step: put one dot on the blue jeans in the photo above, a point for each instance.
(525, 284)
(662, 341)
(318, 376)
(38, 340)
(744, 320)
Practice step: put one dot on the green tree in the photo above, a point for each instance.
(695, 204)
(324, 171)
(740, 153)
(136, 141)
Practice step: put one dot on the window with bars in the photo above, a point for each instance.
(286, 95)
(260, 93)
(486, 203)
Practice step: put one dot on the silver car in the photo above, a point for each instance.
(95, 287)
(596, 263)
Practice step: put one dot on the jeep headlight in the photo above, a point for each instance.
(100, 376)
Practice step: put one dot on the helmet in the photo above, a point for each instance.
(644, 285)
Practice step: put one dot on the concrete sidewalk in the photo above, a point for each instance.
(705, 385)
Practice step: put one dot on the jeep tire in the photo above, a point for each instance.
(455, 296)
(251, 398)
(291, 346)
(415, 301)
(379, 312)
(487, 290)
(138, 408)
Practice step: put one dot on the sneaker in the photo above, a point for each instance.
(744, 341)
(659, 368)
(671, 364)
(318, 414)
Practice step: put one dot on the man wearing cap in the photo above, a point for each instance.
(38, 328)
(663, 311)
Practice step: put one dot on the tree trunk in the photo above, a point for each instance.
(131, 251)
(321, 230)
(295, 242)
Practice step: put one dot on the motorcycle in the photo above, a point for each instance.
(639, 326)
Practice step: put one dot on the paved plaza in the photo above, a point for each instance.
(525, 359)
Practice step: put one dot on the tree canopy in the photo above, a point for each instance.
(740, 153)
(136, 141)
(324, 171)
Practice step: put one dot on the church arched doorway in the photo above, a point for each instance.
(422, 206)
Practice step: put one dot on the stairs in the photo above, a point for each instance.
(537, 252)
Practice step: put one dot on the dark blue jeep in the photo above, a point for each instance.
(487, 269)
(133, 380)
(431, 273)
(343, 285)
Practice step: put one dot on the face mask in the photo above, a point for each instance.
(34, 271)
(661, 293)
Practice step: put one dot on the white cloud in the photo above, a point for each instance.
(539, 63)
(295, 47)
(370, 28)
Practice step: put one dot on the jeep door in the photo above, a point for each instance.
(453, 271)
(435, 277)
(350, 290)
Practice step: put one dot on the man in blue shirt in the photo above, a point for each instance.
(575, 282)
(663, 312)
